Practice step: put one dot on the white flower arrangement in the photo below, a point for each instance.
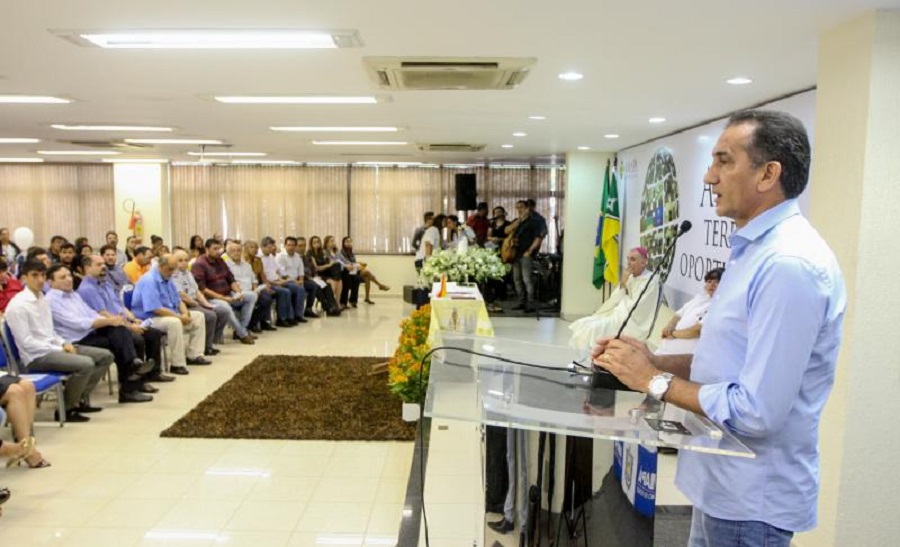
(475, 264)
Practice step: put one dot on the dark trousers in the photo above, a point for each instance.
(312, 291)
(349, 287)
(298, 299)
(262, 313)
(326, 297)
(148, 345)
(120, 342)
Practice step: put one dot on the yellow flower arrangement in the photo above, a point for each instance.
(406, 376)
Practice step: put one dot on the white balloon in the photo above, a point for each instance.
(24, 238)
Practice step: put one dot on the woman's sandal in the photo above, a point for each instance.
(27, 450)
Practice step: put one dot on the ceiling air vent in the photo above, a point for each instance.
(451, 147)
(460, 73)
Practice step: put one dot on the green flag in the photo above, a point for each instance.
(611, 228)
(599, 257)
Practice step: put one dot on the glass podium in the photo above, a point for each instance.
(471, 382)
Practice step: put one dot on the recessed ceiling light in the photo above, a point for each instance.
(520, 134)
(610, 136)
(78, 152)
(506, 146)
(89, 127)
(739, 80)
(584, 147)
(571, 76)
(657, 120)
(360, 143)
(538, 118)
(296, 99)
(21, 160)
(134, 160)
(32, 99)
(326, 129)
(215, 39)
(18, 140)
(173, 141)
(264, 162)
(228, 154)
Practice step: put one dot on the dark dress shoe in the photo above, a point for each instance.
(134, 397)
(267, 326)
(141, 367)
(256, 329)
(302, 320)
(199, 361)
(72, 416)
(85, 408)
(4, 495)
(334, 312)
(179, 370)
(211, 351)
(159, 377)
(501, 526)
(311, 314)
(282, 324)
(147, 388)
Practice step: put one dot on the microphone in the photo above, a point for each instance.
(602, 378)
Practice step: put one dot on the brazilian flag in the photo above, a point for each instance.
(606, 245)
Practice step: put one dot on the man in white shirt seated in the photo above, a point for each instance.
(290, 266)
(42, 350)
(607, 320)
(273, 279)
(244, 276)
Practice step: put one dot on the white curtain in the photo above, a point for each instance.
(67, 200)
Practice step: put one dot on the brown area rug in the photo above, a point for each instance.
(300, 397)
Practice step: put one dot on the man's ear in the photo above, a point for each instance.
(770, 178)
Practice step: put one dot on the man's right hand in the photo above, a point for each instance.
(117, 321)
(185, 319)
(69, 348)
(601, 343)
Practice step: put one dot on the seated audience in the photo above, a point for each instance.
(131, 245)
(56, 243)
(326, 267)
(347, 257)
(80, 241)
(9, 285)
(42, 350)
(246, 280)
(17, 397)
(156, 298)
(98, 292)
(609, 317)
(273, 279)
(67, 254)
(155, 243)
(215, 318)
(139, 265)
(314, 283)
(112, 239)
(115, 275)
(218, 285)
(290, 267)
(196, 247)
(77, 323)
(349, 280)
(251, 248)
(9, 250)
(681, 335)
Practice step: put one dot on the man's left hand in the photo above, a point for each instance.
(629, 363)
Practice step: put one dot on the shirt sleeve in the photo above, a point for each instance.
(69, 315)
(199, 273)
(149, 297)
(786, 308)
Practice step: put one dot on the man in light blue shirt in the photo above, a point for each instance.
(765, 362)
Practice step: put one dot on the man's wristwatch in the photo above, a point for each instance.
(659, 385)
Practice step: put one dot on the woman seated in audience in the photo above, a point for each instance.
(348, 258)
(131, 243)
(349, 279)
(17, 397)
(159, 252)
(681, 335)
(197, 247)
(79, 241)
(328, 268)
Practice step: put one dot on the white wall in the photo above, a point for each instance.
(584, 192)
(392, 270)
(145, 184)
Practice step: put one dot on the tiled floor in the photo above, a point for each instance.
(115, 482)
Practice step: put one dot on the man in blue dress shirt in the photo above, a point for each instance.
(765, 362)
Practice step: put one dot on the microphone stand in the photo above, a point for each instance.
(602, 378)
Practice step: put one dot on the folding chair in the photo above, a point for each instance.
(44, 383)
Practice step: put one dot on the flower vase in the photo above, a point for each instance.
(410, 412)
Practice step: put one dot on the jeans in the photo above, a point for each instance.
(517, 468)
(523, 276)
(262, 314)
(283, 308)
(238, 325)
(707, 531)
(298, 299)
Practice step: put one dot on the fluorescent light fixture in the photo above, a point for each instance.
(520, 134)
(134, 160)
(571, 76)
(215, 39)
(264, 162)
(32, 99)
(296, 99)
(228, 154)
(739, 80)
(78, 152)
(360, 143)
(325, 164)
(610, 136)
(93, 127)
(173, 141)
(506, 146)
(21, 160)
(325, 129)
(584, 148)
(657, 119)
(389, 163)
(538, 118)
(224, 472)
(17, 140)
